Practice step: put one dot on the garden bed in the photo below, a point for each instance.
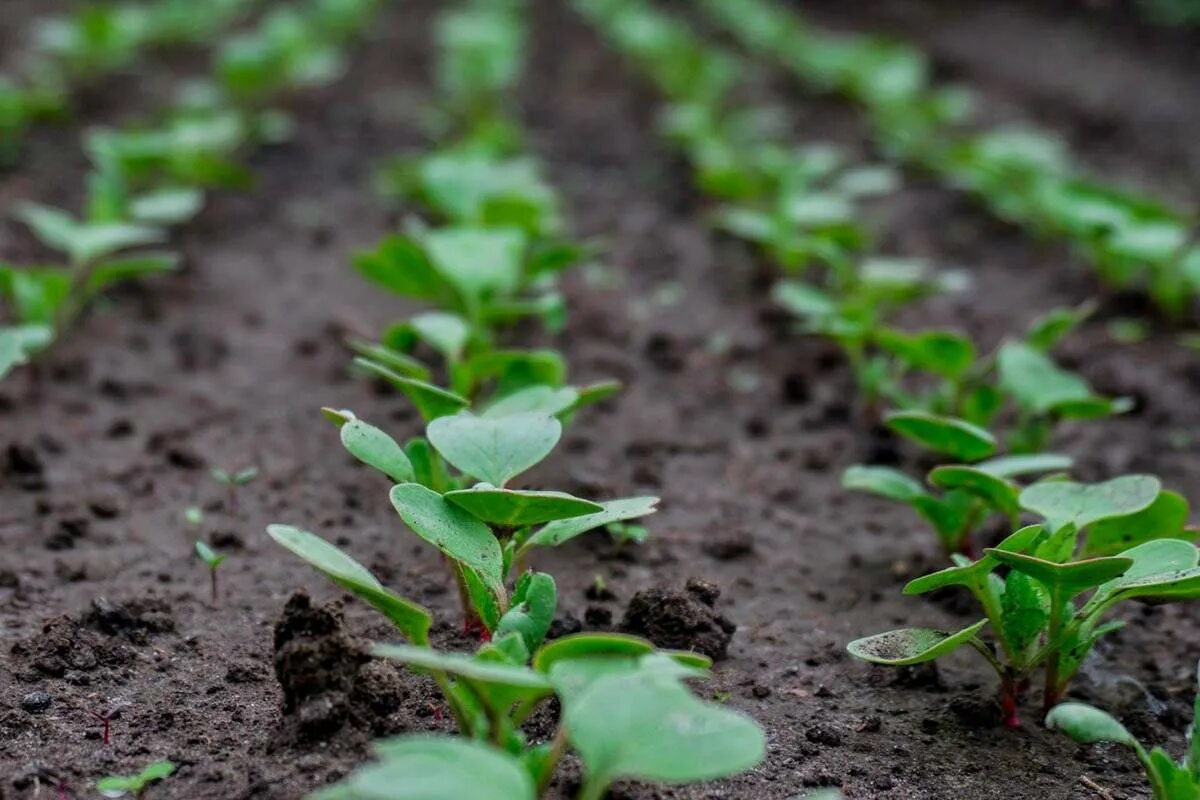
(742, 426)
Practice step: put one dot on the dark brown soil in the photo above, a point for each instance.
(740, 426)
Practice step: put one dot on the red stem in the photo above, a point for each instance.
(1008, 704)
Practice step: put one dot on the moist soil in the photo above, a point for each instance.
(740, 425)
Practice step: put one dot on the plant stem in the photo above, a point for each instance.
(558, 746)
(212, 585)
(592, 789)
(1008, 701)
(1051, 691)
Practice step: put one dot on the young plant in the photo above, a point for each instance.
(452, 490)
(1121, 540)
(136, 785)
(106, 718)
(212, 560)
(625, 708)
(1169, 779)
(233, 480)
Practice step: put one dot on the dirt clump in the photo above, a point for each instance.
(684, 620)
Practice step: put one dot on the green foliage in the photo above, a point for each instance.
(210, 557)
(122, 785)
(1169, 779)
(625, 711)
(1032, 607)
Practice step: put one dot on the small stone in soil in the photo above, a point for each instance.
(36, 702)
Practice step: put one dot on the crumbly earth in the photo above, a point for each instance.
(741, 426)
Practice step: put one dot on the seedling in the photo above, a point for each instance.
(452, 490)
(1169, 779)
(136, 785)
(234, 480)
(619, 698)
(193, 516)
(1120, 540)
(212, 560)
(106, 718)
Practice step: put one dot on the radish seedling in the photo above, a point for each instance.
(212, 560)
(1169, 779)
(232, 480)
(1115, 541)
(136, 785)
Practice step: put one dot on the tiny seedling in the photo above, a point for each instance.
(234, 480)
(193, 516)
(1101, 544)
(1169, 779)
(105, 718)
(212, 560)
(135, 785)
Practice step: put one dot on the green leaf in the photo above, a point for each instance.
(431, 401)
(479, 262)
(209, 556)
(534, 602)
(1165, 518)
(995, 492)
(494, 450)
(907, 646)
(549, 400)
(1161, 568)
(1036, 382)
(883, 481)
(431, 767)
(391, 357)
(450, 529)
(1062, 502)
(954, 437)
(647, 725)
(1049, 329)
(120, 270)
(581, 646)
(412, 620)
(400, 265)
(943, 353)
(376, 449)
(518, 507)
(498, 683)
(1016, 466)
(971, 574)
(1070, 578)
(1087, 725)
(446, 333)
(555, 533)
(169, 206)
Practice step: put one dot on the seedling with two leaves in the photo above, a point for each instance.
(621, 701)
(1100, 545)
(1169, 779)
(233, 480)
(135, 785)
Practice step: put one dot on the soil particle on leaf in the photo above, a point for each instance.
(327, 678)
(683, 620)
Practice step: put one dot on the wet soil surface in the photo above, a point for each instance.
(741, 426)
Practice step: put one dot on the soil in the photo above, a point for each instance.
(741, 426)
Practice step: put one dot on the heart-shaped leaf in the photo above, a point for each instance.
(1070, 578)
(518, 507)
(647, 725)
(559, 531)
(954, 437)
(1036, 382)
(435, 768)
(479, 262)
(494, 450)
(1063, 502)
(550, 400)
(1165, 518)
(907, 646)
(411, 619)
(376, 449)
(450, 529)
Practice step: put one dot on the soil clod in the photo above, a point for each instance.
(681, 620)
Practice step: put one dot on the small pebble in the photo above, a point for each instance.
(36, 702)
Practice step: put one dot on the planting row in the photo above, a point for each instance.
(1045, 590)
(147, 179)
(1020, 174)
(486, 253)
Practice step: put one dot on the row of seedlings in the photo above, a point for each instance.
(1045, 590)
(1023, 175)
(145, 180)
(74, 51)
(486, 254)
